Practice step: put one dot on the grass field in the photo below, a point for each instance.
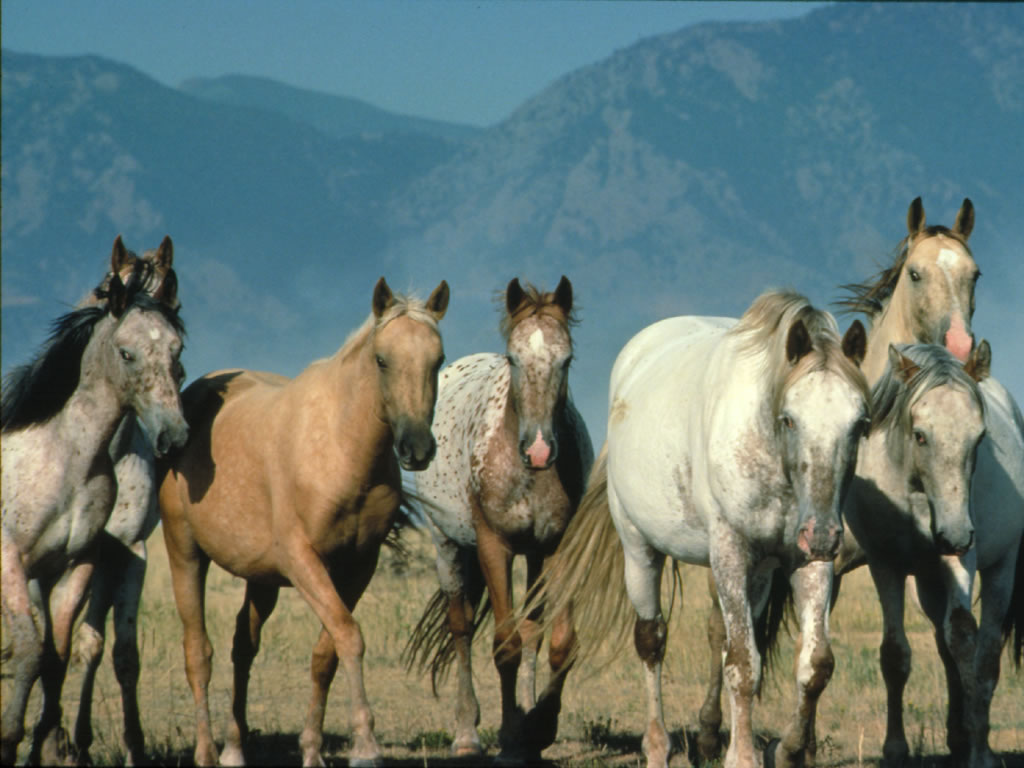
(603, 710)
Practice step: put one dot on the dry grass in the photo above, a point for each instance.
(603, 711)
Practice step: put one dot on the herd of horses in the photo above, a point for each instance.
(769, 448)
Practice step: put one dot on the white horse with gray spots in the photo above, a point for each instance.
(730, 444)
(59, 415)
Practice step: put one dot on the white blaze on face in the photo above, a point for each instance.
(537, 341)
(957, 340)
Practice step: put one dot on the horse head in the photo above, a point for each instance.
(539, 352)
(408, 353)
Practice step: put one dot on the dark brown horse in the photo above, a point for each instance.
(297, 483)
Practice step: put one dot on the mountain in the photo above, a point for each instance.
(683, 174)
(336, 116)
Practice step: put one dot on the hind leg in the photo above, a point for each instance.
(26, 647)
(256, 609)
(894, 658)
(709, 740)
(812, 586)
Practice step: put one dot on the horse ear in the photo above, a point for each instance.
(514, 295)
(167, 292)
(979, 363)
(902, 366)
(563, 295)
(164, 254)
(118, 256)
(117, 295)
(915, 217)
(855, 342)
(798, 342)
(964, 219)
(437, 304)
(382, 298)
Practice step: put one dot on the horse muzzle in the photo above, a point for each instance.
(820, 541)
(415, 452)
(538, 452)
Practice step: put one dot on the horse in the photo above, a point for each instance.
(120, 567)
(59, 415)
(730, 444)
(297, 482)
(909, 507)
(513, 456)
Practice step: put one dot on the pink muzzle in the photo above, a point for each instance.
(539, 452)
(958, 341)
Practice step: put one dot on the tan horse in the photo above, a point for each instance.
(297, 483)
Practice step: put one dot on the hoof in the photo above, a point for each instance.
(467, 748)
(364, 762)
(232, 756)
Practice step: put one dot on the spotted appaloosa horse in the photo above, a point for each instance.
(296, 482)
(729, 444)
(121, 563)
(60, 413)
(513, 455)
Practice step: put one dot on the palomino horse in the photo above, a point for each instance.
(729, 444)
(60, 413)
(513, 455)
(909, 507)
(927, 296)
(120, 566)
(297, 483)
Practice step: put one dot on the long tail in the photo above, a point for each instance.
(1013, 623)
(586, 575)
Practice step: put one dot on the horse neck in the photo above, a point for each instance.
(355, 404)
(875, 465)
(96, 407)
(889, 327)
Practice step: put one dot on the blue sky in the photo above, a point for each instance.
(453, 60)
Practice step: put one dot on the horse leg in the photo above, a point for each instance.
(49, 742)
(894, 658)
(496, 564)
(526, 682)
(189, 568)
(812, 586)
(340, 639)
(258, 604)
(996, 592)
(542, 719)
(26, 647)
(462, 583)
(946, 600)
(709, 740)
(730, 563)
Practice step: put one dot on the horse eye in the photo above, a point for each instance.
(787, 421)
(919, 437)
(914, 275)
(381, 363)
(127, 356)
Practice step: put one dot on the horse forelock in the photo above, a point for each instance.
(892, 399)
(763, 331)
(871, 296)
(35, 392)
(535, 302)
(402, 306)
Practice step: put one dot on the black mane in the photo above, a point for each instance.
(36, 392)
(869, 297)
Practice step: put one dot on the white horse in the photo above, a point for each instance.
(60, 413)
(910, 508)
(729, 444)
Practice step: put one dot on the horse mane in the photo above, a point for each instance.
(401, 305)
(892, 399)
(35, 392)
(870, 297)
(764, 328)
(535, 302)
(150, 279)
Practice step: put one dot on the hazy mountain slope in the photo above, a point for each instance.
(336, 116)
(683, 174)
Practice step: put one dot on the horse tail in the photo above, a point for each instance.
(586, 575)
(1013, 622)
(773, 618)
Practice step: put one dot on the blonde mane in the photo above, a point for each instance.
(764, 329)
(401, 306)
